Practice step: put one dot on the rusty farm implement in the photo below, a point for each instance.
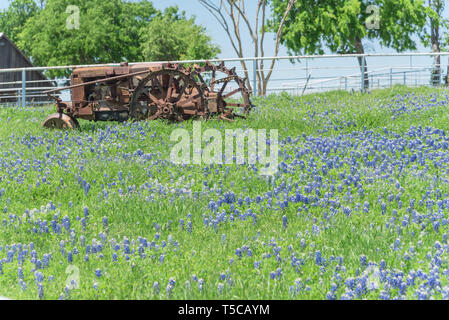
(151, 91)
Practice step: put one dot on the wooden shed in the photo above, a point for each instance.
(12, 57)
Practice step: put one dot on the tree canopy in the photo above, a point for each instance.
(171, 36)
(436, 32)
(15, 16)
(69, 32)
(108, 32)
(340, 26)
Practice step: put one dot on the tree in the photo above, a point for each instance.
(15, 16)
(433, 36)
(342, 26)
(230, 14)
(73, 32)
(108, 31)
(171, 36)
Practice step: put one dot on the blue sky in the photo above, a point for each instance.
(203, 17)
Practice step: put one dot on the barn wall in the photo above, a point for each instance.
(10, 57)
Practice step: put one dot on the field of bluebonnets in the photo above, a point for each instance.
(358, 209)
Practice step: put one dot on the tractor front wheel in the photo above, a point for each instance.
(60, 121)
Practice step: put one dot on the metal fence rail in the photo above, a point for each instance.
(308, 74)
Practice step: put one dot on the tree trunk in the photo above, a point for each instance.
(247, 79)
(264, 86)
(435, 41)
(259, 78)
(359, 50)
(436, 73)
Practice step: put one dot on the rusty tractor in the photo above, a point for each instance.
(148, 91)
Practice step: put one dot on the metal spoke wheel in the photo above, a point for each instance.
(222, 89)
(60, 121)
(168, 94)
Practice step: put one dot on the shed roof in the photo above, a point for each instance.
(5, 37)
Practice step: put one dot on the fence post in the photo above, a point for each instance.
(405, 82)
(254, 77)
(391, 77)
(24, 95)
(363, 73)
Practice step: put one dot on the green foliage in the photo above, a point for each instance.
(171, 36)
(337, 25)
(147, 204)
(108, 32)
(15, 16)
(434, 11)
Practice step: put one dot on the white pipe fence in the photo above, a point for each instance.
(308, 74)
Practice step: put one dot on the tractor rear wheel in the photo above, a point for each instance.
(167, 94)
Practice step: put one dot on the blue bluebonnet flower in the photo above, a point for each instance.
(189, 226)
(238, 252)
(22, 285)
(39, 276)
(284, 221)
(181, 223)
(105, 222)
(200, 284)
(278, 272)
(331, 296)
(83, 223)
(318, 257)
(169, 290)
(363, 261)
(220, 288)
(156, 287)
(40, 291)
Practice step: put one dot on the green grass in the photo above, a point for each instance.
(97, 152)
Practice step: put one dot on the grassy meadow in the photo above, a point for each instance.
(357, 210)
